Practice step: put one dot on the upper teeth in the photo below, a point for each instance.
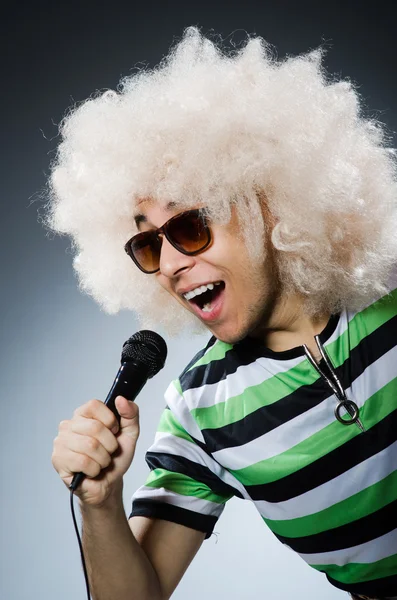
(200, 290)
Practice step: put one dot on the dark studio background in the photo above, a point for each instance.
(58, 349)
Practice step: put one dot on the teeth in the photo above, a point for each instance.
(200, 290)
(206, 307)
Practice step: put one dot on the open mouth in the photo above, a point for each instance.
(206, 298)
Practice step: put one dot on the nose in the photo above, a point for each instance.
(172, 262)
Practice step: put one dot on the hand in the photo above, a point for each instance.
(92, 442)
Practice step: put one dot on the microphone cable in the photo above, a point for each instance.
(87, 585)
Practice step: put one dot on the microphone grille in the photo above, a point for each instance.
(148, 347)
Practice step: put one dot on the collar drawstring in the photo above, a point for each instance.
(332, 380)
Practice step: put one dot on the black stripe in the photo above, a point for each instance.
(357, 532)
(176, 514)
(333, 464)
(303, 399)
(198, 356)
(369, 350)
(217, 370)
(184, 466)
(375, 588)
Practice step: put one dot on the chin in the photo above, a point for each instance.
(229, 336)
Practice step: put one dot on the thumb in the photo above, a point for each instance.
(127, 410)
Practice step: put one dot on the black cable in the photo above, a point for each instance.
(87, 585)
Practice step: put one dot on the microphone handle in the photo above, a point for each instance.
(129, 381)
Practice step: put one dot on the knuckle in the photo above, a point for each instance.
(86, 408)
(93, 404)
(92, 444)
(63, 425)
(95, 427)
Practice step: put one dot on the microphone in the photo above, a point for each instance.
(143, 356)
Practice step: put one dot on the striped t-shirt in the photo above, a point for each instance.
(245, 421)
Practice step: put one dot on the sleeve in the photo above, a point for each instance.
(185, 485)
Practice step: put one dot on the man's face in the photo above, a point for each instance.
(241, 295)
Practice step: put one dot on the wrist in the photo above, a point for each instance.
(112, 502)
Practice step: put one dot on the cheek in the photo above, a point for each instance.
(162, 281)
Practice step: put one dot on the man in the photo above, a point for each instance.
(255, 199)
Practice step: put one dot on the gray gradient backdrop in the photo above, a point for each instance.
(58, 349)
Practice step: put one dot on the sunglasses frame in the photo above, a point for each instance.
(163, 230)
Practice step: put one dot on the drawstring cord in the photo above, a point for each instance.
(333, 382)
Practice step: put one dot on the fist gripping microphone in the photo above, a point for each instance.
(142, 357)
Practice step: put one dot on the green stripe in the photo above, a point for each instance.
(254, 397)
(272, 390)
(361, 325)
(359, 572)
(182, 484)
(169, 424)
(376, 408)
(216, 352)
(355, 507)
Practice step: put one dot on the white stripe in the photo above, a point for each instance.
(205, 507)
(362, 476)
(369, 552)
(343, 323)
(305, 425)
(179, 407)
(165, 442)
(236, 383)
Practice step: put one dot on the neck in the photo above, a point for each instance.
(289, 326)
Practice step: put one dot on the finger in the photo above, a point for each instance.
(95, 430)
(95, 409)
(129, 417)
(74, 462)
(91, 447)
(127, 409)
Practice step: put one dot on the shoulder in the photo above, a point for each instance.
(187, 392)
(198, 358)
(208, 366)
(205, 379)
(382, 309)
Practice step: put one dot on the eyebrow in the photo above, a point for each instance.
(141, 218)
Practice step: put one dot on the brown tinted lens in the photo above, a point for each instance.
(189, 232)
(146, 248)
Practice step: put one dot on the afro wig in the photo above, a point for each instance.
(230, 129)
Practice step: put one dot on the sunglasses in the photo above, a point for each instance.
(188, 232)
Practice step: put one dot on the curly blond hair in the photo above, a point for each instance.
(230, 128)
